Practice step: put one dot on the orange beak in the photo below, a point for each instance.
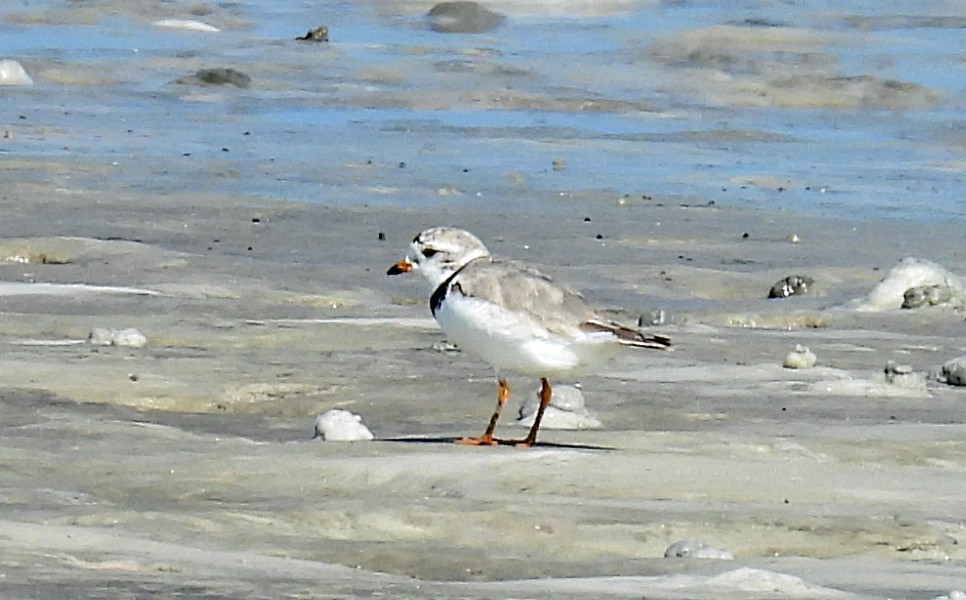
(403, 266)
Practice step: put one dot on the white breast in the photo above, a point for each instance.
(509, 340)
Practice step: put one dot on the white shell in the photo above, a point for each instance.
(13, 73)
(338, 425)
(800, 358)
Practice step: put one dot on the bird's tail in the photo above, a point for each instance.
(628, 336)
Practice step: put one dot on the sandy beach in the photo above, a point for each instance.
(188, 462)
(250, 246)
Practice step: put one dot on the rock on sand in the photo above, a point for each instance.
(904, 376)
(800, 358)
(463, 17)
(696, 549)
(910, 272)
(953, 371)
(339, 425)
(218, 76)
(13, 73)
(793, 285)
(928, 295)
(131, 338)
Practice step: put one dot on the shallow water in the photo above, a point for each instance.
(741, 104)
(692, 141)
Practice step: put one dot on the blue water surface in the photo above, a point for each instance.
(344, 122)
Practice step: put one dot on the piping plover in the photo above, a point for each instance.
(512, 316)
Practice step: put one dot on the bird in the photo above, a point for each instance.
(512, 316)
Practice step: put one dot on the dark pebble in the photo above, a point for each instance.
(463, 17)
(217, 76)
(792, 285)
(319, 34)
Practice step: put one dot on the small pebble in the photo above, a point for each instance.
(102, 336)
(445, 347)
(953, 371)
(696, 549)
(927, 295)
(793, 285)
(800, 358)
(319, 34)
(217, 77)
(904, 376)
(338, 425)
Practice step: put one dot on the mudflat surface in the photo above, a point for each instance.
(188, 465)
(685, 161)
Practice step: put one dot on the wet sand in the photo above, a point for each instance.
(685, 161)
(186, 466)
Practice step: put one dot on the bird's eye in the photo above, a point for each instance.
(430, 252)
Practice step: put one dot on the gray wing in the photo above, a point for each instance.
(519, 287)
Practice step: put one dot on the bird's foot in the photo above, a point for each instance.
(524, 443)
(483, 440)
(489, 440)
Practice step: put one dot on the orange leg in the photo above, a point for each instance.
(531, 439)
(487, 439)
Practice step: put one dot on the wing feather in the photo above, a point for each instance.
(518, 287)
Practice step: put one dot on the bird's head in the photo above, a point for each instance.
(439, 252)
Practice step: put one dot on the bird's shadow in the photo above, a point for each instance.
(452, 442)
